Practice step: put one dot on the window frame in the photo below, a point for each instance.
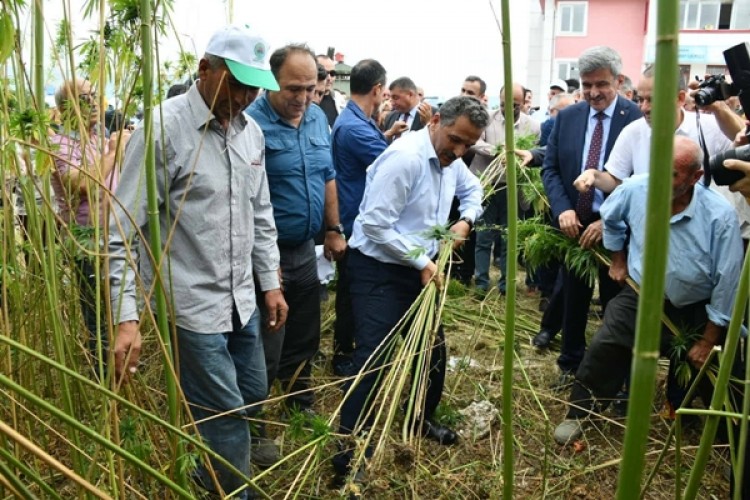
(700, 3)
(572, 4)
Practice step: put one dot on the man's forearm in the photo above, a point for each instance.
(712, 333)
(331, 207)
(729, 122)
(605, 182)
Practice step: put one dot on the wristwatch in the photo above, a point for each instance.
(338, 228)
(468, 221)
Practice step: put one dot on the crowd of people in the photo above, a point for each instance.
(260, 158)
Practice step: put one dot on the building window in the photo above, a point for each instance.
(718, 69)
(703, 14)
(567, 69)
(571, 18)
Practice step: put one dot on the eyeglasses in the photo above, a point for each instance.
(332, 72)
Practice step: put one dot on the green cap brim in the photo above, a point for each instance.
(252, 76)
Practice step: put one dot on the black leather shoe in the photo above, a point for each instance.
(351, 485)
(439, 433)
(543, 339)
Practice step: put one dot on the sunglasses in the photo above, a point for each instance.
(332, 72)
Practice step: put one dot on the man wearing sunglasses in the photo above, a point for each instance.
(331, 102)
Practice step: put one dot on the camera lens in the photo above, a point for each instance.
(706, 96)
(722, 175)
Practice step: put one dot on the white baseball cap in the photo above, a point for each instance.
(245, 53)
(560, 84)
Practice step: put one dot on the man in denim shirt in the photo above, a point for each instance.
(303, 194)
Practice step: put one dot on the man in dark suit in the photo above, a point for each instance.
(409, 113)
(582, 138)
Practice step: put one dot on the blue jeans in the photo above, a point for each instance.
(220, 372)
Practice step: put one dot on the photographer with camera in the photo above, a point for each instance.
(739, 164)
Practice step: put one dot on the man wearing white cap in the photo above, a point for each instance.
(556, 87)
(215, 212)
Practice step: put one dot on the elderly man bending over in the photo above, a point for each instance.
(705, 255)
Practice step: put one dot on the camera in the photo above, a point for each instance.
(722, 175)
(713, 88)
(717, 88)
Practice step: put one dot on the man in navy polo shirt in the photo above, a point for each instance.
(356, 141)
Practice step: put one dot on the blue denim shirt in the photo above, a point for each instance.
(705, 250)
(356, 142)
(298, 165)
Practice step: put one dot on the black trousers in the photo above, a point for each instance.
(343, 327)
(381, 294)
(462, 268)
(608, 358)
(576, 301)
(293, 347)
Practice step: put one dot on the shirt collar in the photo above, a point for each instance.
(608, 111)
(689, 211)
(274, 117)
(424, 134)
(202, 115)
(359, 113)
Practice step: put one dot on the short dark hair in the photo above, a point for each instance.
(177, 89)
(366, 74)
(482, 83)
(403, 83)
(278, 58)
(467, 106)
(650, 72)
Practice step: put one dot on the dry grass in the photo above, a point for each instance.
(472, 469)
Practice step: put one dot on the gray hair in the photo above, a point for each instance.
(627, 84)
(467, 106)
(600, 57)
(214, 62)
(558, 98)
(650, 71)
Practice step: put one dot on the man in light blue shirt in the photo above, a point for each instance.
(409, 190)
(705, 256)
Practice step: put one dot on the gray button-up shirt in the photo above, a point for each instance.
(215, 215)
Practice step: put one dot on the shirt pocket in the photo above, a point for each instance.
(319, 153)
(279, 153)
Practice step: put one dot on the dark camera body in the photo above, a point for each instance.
(716, 88)
(722, 175)
(713, 88)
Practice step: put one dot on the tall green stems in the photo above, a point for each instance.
(510, 263)
(720, 386)
(153, 225)
(646, 352)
